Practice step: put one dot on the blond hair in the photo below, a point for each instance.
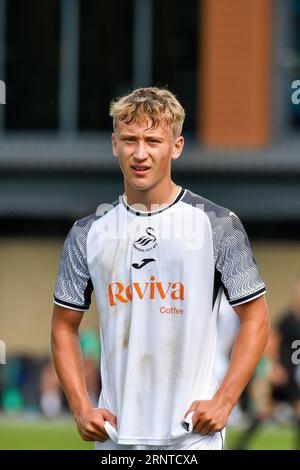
(159, 105)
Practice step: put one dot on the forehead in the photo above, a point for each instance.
(143, 127)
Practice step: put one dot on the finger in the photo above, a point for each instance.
(201, 424)
(108, 416)
(98, 425)
(191, 408)
(203, 430)
(103, 436)
(96, 436)
(199, 418)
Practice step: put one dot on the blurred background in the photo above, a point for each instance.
(231, 64)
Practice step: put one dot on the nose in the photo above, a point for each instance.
(140, 152)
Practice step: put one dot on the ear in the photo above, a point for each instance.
(177, 147)
(114, 144)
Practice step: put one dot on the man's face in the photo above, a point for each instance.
(145, 153)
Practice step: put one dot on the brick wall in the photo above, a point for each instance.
(234, 73)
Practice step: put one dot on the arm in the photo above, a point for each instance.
(212, 415)
(69, 367)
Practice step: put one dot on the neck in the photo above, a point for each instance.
(158, 195)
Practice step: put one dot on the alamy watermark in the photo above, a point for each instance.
(2, 352)
(183, 227)
(296, 94)
(2, 92)
(296, 354)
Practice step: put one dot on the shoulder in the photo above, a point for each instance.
(81, 227)
(220, 217)
(205, 204)
(227, 229)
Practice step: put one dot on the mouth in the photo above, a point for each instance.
(140, 169)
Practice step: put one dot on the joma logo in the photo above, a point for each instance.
(117, 291)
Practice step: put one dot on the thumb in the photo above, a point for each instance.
(108, 416)
(191, 408)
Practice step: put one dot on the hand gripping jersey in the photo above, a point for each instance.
(158, 279)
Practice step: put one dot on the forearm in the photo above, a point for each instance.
(68, 362)
(247, 350)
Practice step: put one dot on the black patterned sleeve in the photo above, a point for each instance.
(235, 262)
(74, 287)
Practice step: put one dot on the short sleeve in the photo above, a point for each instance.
(235, 262)
(73, 286)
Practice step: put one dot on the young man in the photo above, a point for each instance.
(158, 259)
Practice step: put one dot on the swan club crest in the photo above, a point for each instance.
(146, 242)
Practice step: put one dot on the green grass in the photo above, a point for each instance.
(43, 434)
(265, 438)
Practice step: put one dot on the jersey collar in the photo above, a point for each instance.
(177, 198)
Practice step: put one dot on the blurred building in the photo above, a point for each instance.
(230, 63)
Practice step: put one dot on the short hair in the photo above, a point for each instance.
(157, 104)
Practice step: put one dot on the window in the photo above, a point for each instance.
(175, 51)
(106, 42)
(43, 95)
(32, 48)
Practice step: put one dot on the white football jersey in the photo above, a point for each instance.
(158, 279)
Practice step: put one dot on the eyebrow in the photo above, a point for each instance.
(124, 136)
(132, 136)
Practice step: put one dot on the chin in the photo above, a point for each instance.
(139, 185)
